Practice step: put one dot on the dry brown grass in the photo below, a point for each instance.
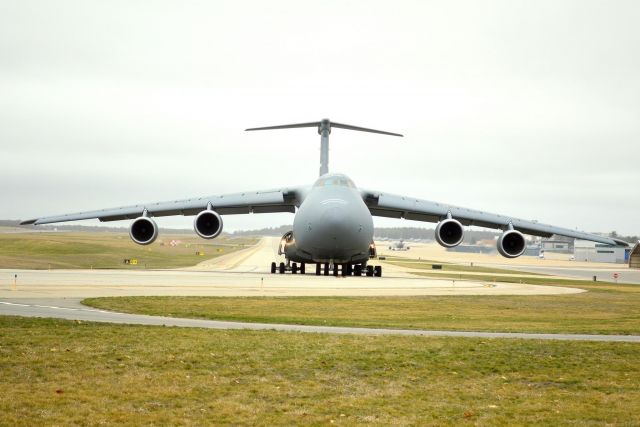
(107, 250)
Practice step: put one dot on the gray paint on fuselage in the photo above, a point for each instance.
(333, 224)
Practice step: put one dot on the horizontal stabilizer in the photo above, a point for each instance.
(325, 124)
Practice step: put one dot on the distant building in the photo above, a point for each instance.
(558, 245)
(532, 250)
(599, 252)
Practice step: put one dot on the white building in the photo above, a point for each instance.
(585, 250)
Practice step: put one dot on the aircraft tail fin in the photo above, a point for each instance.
(324, 129)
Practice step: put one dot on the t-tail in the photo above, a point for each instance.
(324, 129)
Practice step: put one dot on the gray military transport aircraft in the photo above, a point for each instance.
(333, 225)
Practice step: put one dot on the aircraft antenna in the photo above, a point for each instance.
(324, 129)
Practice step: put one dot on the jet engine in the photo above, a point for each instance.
(143, 230)
(208, 224)
(449, 233)
(511, 244)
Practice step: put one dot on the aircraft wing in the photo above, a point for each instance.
(395, 206)
(282, 200)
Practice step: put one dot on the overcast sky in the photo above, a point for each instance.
(530, 109)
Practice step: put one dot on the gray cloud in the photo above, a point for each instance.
(525, 108)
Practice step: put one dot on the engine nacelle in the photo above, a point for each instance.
(449, 233)
(143, 230)
(208, 224)
(511, 244)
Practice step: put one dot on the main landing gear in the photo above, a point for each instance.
(326, 269)
(293, 267)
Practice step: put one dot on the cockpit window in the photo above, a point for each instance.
(336, 180)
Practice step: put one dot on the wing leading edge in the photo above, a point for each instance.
(283, 200)
(396, 206)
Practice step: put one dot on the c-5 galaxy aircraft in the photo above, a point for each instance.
(332, 226)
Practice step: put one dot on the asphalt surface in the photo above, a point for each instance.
(72, 309)
(57, 294)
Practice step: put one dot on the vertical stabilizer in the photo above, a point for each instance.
(324, 129)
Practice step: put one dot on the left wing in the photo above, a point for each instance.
(395, 206)
(282, 200)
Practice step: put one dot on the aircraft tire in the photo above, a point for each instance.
(335, 269)
(377, 271)
(357, 270)
(302, 269)
(369, 270)
(294, 268)
(282, 268)
(318, 268)
(326, 269)
(349, 269)
(273, 268)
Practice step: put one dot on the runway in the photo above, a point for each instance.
(245, 273)
(58, 293)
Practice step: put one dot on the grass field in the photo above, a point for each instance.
(57, 372)
(421, 264)
(606, 309)
(107, 250)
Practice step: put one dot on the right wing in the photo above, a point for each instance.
(283, 200)
(396, 206)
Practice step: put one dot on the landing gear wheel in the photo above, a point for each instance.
(335, 269)
(273, 268)
(302, 268)
(294, 268)
(282, 268)
(377, 271)
(318, 268)
(343, 269)
(369, 270)
(357, 270)
(326, 269)
(349, 269)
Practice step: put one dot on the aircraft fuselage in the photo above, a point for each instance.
(332, 224)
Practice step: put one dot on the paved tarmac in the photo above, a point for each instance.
(245, 273)
(58, 293)
(554, 264)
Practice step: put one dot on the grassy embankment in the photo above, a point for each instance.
(57, 372)
(605, 309)
(107, 250)
(421, 264)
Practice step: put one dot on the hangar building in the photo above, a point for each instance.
(599, 252)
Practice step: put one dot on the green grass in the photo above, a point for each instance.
(605, 309)
(428, 265)
(576, 283)
(107, 250)
(57, 372)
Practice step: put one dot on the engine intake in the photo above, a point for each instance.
(511, 244)
(208, 224)
(143, 230)
(449, 233)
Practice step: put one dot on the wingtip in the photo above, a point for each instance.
(28, 222)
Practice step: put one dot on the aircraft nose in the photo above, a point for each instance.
(337, 227)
